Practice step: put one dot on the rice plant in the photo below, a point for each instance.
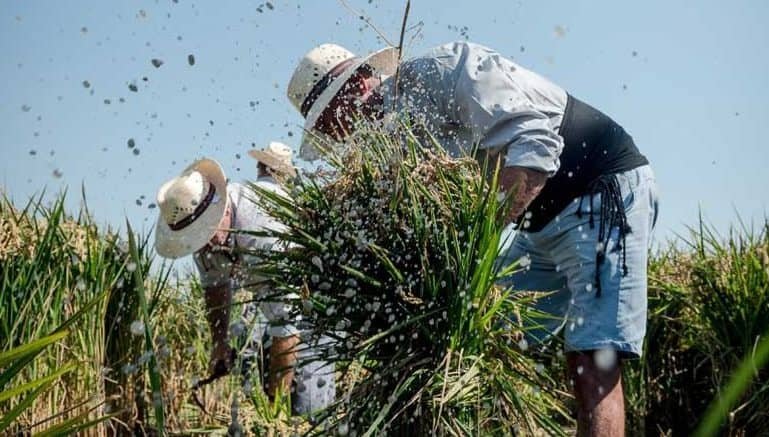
(57, 274)
(394, 255)
(708, 315)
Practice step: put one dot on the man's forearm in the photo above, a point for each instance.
(282, 362)
(218, 302)
(523, 184)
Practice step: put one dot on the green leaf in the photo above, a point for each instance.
(19, 408)
(30, 348)
(7, 394)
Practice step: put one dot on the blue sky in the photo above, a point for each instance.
(688, 79)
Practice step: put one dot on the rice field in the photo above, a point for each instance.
(397, 245)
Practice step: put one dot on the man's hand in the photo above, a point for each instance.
(523, 184)
(282, 362)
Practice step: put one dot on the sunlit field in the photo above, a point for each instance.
(99, 337)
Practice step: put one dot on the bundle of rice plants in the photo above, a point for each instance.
(393, 253)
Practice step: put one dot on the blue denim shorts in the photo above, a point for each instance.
(561, 259)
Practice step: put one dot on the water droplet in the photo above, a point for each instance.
(191, 59)
(137, 327)
(128, 369)
(157, 62)
(605, 359)
(316, 261)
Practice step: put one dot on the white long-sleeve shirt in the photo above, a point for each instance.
(467, 94)
(218, 267)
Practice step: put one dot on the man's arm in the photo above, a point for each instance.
(490, 99)
(285, 340)
(218, 301)
(523, 184)
(282, 362)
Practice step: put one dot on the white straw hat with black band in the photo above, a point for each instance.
(317, 80)
(191, 206)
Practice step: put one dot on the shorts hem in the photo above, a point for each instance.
(625, 350)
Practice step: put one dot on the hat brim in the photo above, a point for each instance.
(190, 239)
(272, 162)
(384, 61)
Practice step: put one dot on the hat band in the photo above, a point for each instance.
(322, 84)
(186, 221)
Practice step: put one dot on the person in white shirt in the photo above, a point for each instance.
(198, 211)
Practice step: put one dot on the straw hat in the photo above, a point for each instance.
(314, 83)
(191, 207)
(276, 156)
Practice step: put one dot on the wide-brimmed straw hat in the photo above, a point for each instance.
(315, 82)
(276, 156)
(191, 207)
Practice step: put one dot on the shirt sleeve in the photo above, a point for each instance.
(495, 106)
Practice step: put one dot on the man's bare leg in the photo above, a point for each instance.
(600, 401)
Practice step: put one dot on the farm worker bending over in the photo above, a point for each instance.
(583, 196)
(198, 209)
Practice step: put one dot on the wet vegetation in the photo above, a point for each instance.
(393, 251)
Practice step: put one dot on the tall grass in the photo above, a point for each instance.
(709, 313)
(109, 334)
(56, 272)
